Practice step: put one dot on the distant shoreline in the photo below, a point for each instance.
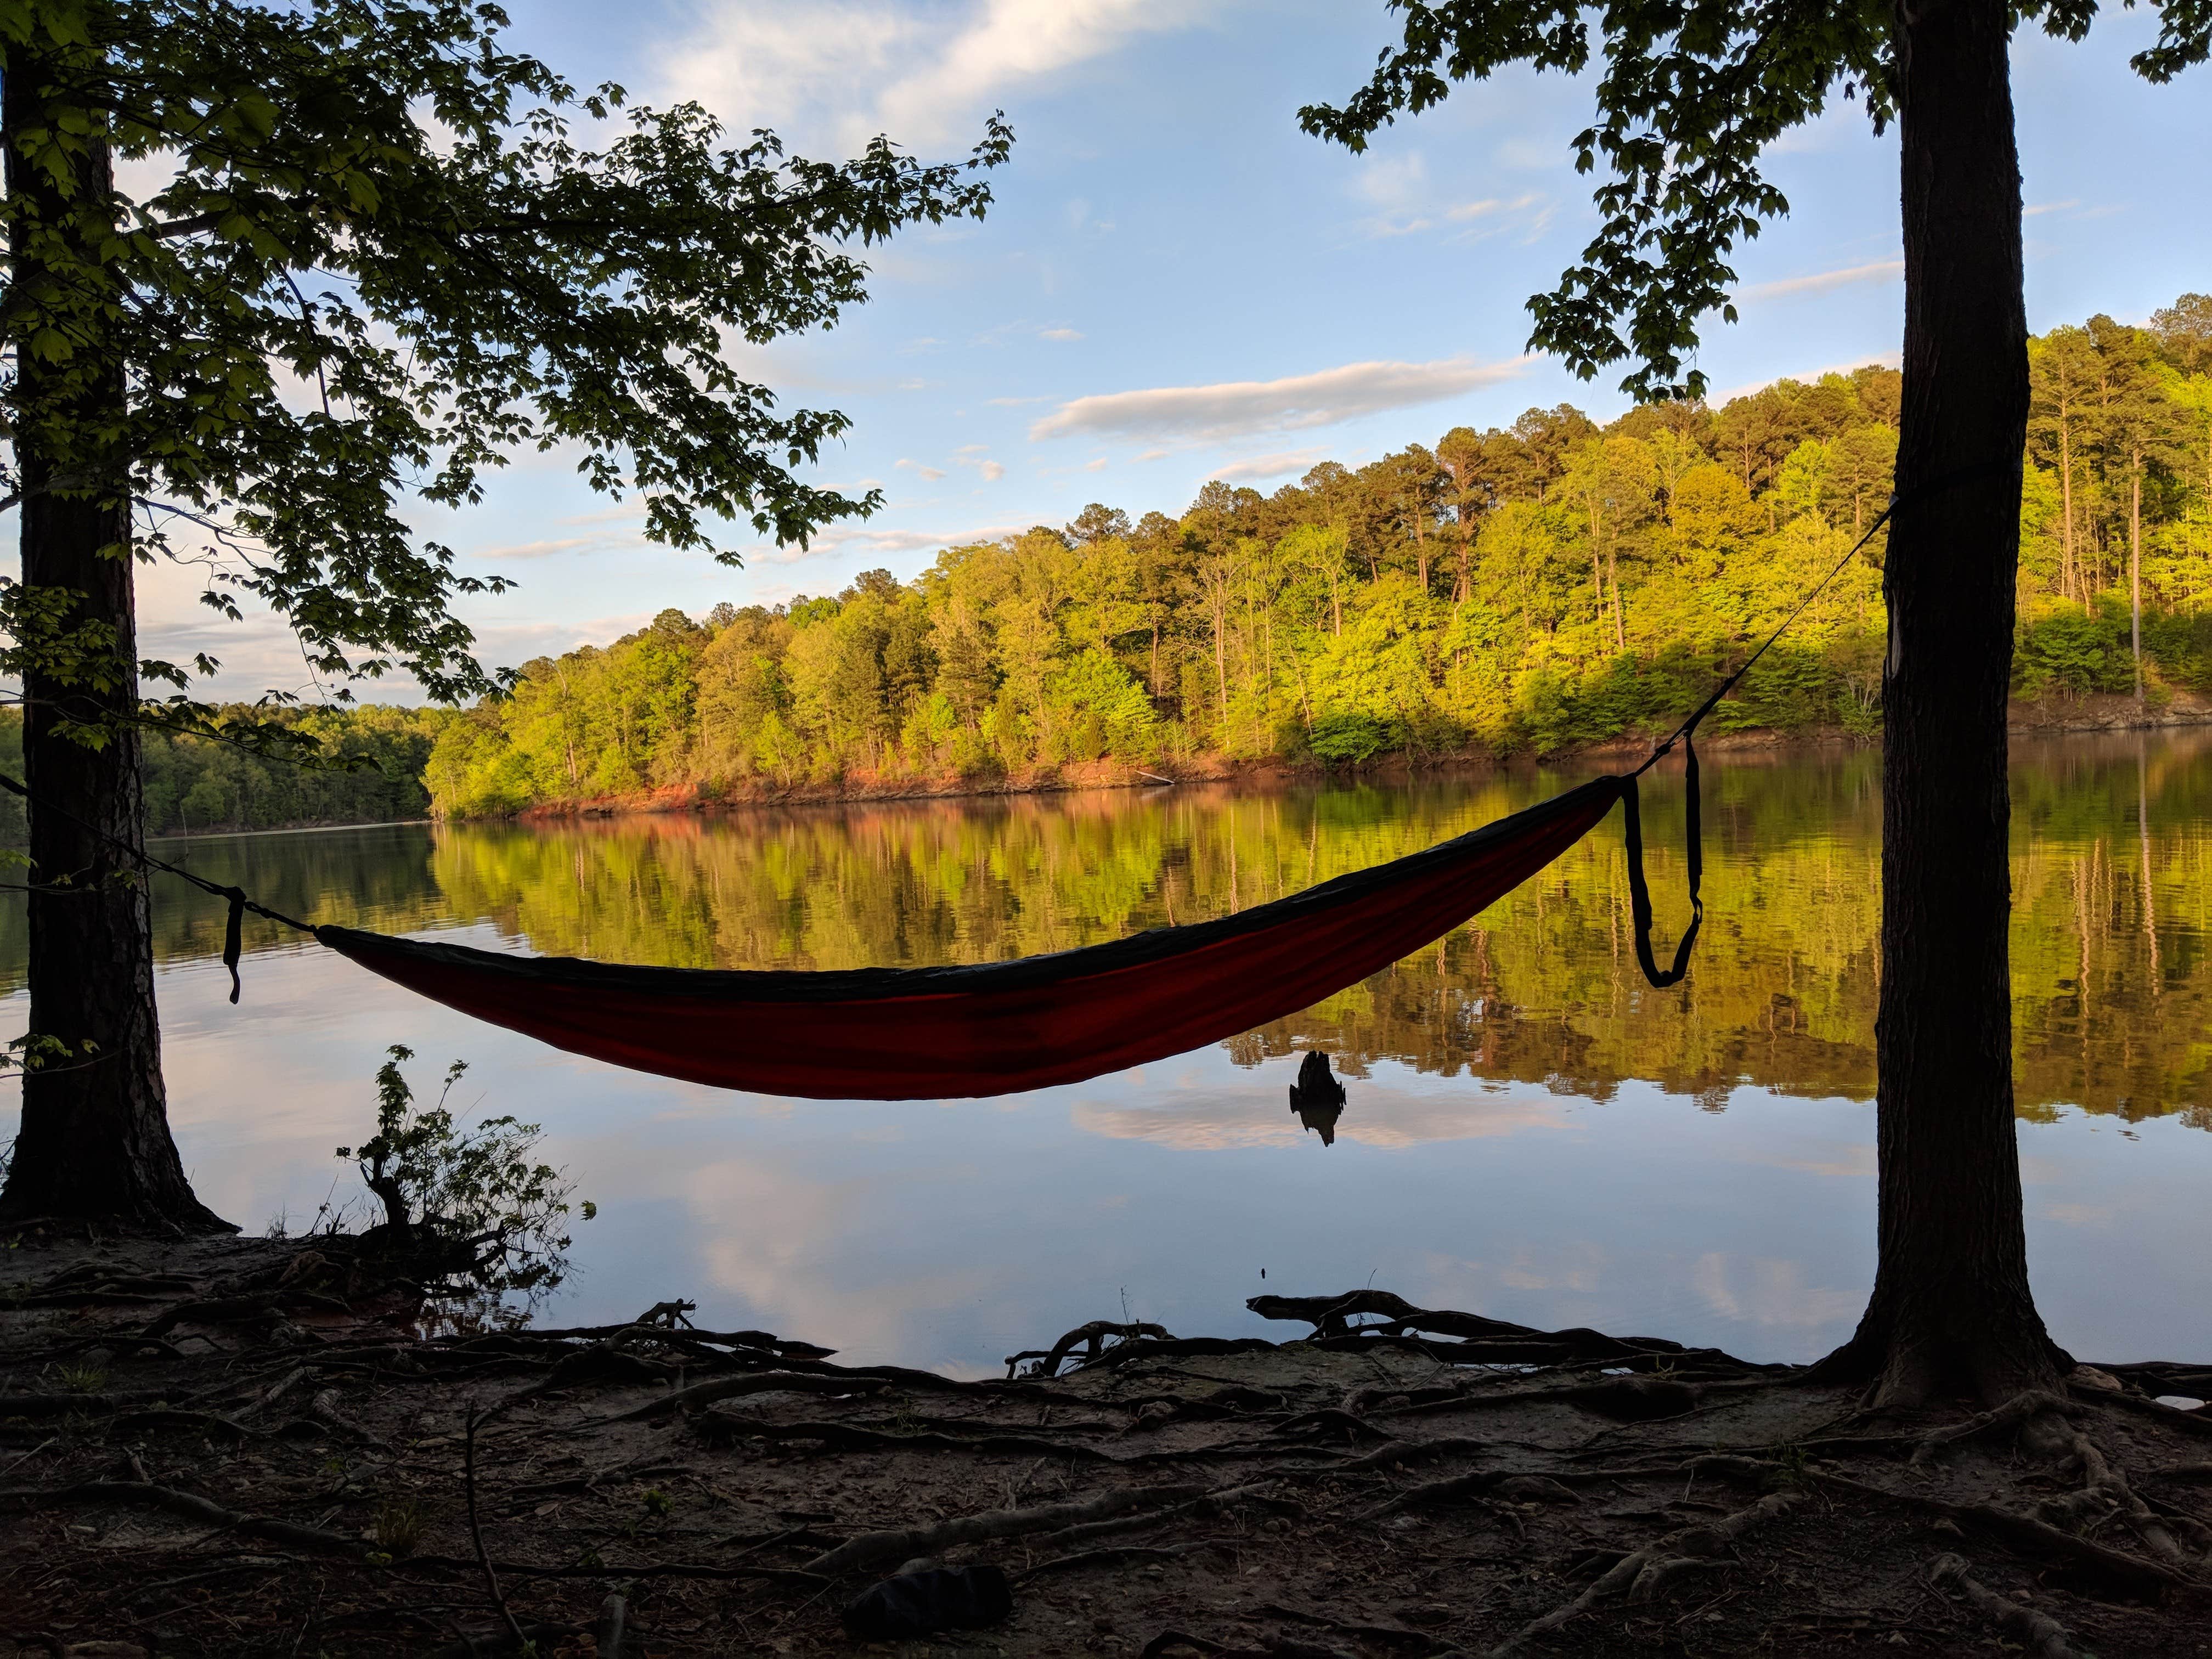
(2101, 713)
(290, 828)
(2098, 713)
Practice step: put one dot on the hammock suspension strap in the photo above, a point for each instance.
(1639, 889)
(235, 897)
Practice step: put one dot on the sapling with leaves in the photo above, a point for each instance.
(475, 1203)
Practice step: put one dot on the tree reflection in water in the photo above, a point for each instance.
(2113, 849)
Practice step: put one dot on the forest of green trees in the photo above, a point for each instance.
(1524, 590)
(1528, 589)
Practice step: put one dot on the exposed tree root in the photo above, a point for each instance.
(2042, 1636)
(873, 1549)
(2129, 1573)
(732, 1387)
(1644, 1574)
(1484, 1340)
(2104, 1490)
(2013, 1414)
(1091, 1338)
(187, 1504)
(707, 1492)
(1120, 1553)
(2040, 1419)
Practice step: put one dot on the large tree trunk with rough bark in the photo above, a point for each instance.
(94, 1140)
(1951, 1312)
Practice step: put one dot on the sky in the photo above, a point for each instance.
(1176, 284)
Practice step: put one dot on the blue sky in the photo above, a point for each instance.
(1176, 284)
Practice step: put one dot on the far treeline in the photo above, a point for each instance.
(1521, 590)
(368, 768)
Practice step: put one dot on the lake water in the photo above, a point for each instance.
(1532, 1134)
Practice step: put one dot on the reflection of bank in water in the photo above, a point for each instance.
(1317, 1098)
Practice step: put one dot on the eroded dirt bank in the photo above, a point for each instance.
(250, 1447)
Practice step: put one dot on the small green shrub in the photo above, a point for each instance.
(476, 1200)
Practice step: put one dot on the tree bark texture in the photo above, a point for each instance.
(1951, 1312)
(2134, 567)
(94, 1139)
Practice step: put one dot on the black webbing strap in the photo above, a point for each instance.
(1639, 891)
(233, 930)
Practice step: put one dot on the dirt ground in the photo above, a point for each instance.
(247, 1447)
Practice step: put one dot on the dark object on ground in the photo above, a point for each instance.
(921, 1603)
(1317, 1098)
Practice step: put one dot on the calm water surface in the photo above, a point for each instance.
(1532, 1133)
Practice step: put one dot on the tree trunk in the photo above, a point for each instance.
(2135, 569)
(94, 1140)
(1619, 616)
(1951, 1311)
(2066, 497)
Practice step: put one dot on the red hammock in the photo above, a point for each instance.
(998, 1028)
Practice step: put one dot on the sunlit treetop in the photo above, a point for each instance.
(1689, 99)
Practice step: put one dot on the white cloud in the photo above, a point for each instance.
(2050, 207)
(1097, 465)
(1880, 271)
(1392, 181)
(1153, 455)
(518, 641)
(925, 78)
(1060, 334)
(977, 456)
(1279, 464)
(929, 474)
(1488, 206)
(1530, 213)
(840, 538)
(1242, 408)
(538, 550)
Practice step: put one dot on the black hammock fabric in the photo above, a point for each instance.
(998, 1028)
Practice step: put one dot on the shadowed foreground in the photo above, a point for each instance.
(248, 1447)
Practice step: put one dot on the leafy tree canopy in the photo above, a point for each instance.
(1689, 97)
(378, 254)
